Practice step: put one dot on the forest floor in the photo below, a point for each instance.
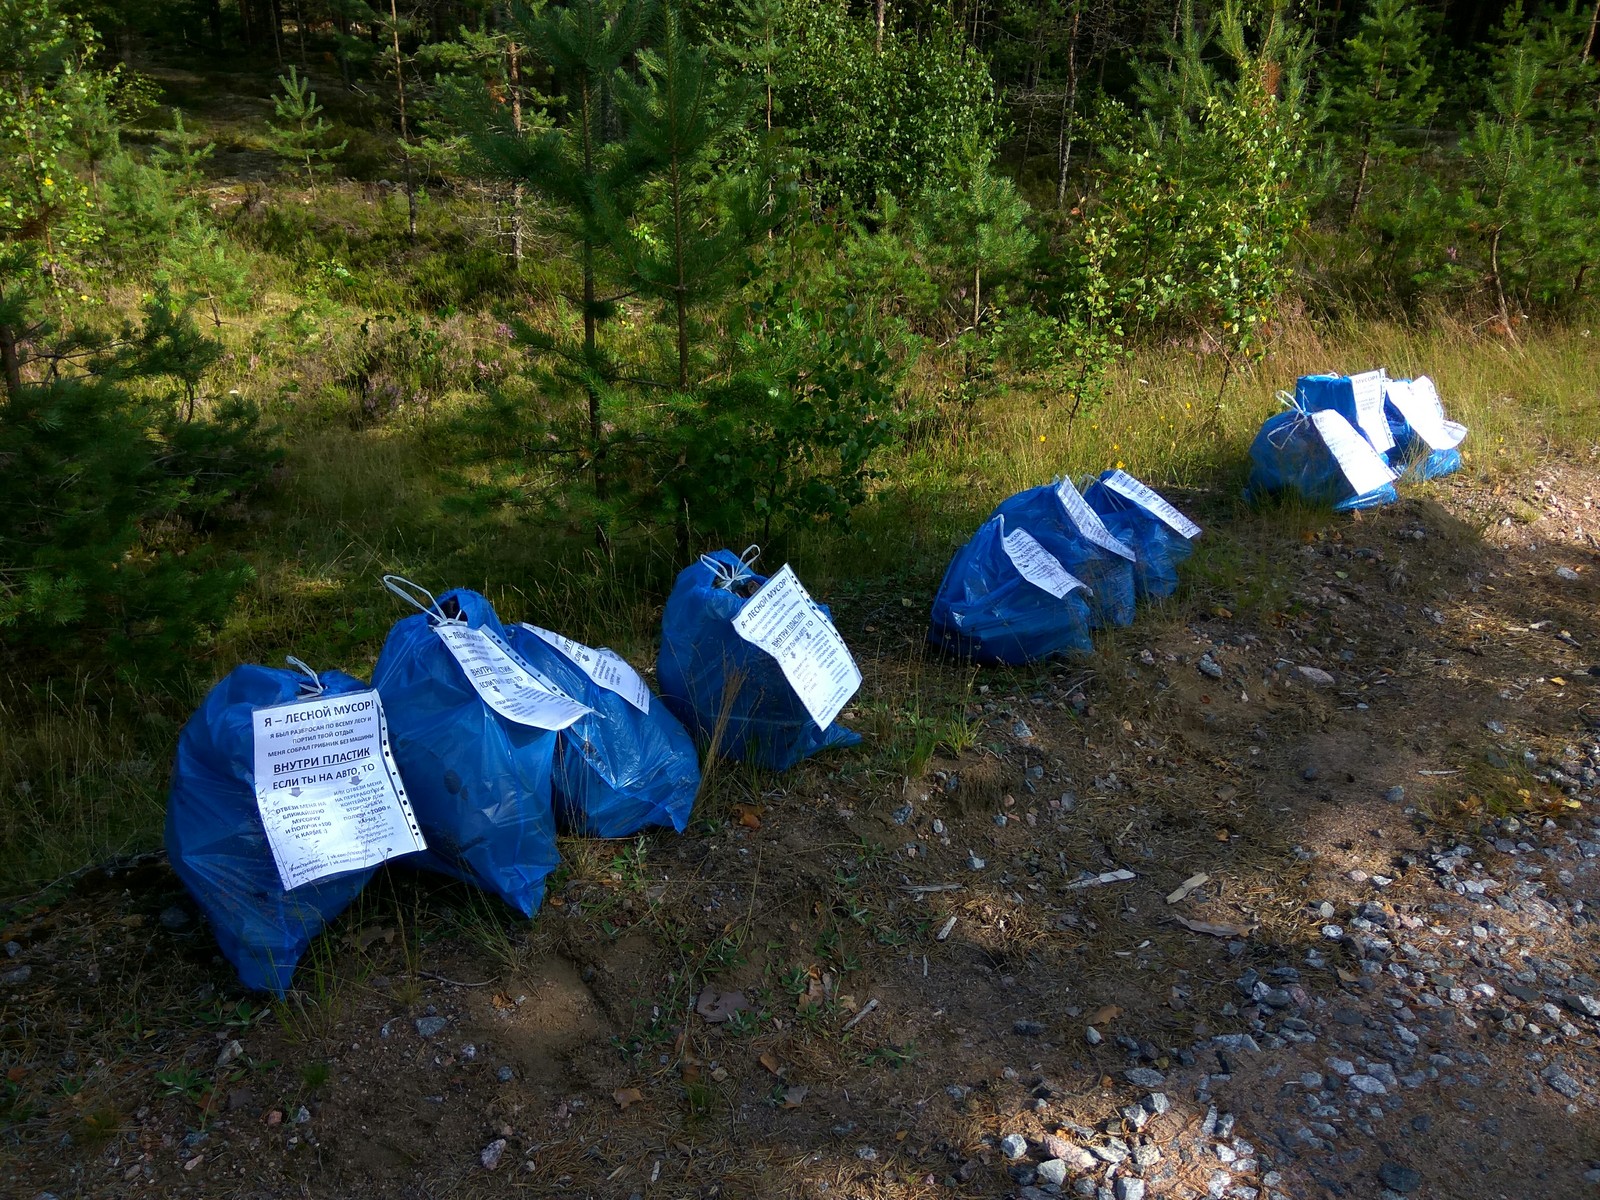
(852, 982)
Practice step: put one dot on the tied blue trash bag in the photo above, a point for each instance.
(1075, 535)
(728, 691)
(630, 764)
(478, 758)
(1425, 441)
(1359, 399)
(1160, 536)
(1321, 457)
(217, 839)
(1006, 599)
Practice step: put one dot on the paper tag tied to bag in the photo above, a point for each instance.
(1088, 521)
(505, 683)
(1037, 565)
(607, 668)
(327, 788)
(1362, 466)
(1417, 400)
(782, 619)
(1368, 390)
(1152, 502)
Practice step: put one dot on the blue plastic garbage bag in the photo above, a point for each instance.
(1289, 454)
(1159, 542)
(216, 841)
(480, 782)
(728, 692)
(1005, 599)
(1079, 541)
(624, 767)
(1413, 455)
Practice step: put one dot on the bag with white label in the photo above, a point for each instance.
(1320, 456)
(1069, 529)
(753, 666)
(1006, 599)
(475, 733)
(284, 801)
(627, 766)
(1159, 535)
(1424, 440)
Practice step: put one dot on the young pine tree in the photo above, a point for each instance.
(1381, 90)
(304, 135)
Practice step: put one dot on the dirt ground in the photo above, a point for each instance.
(861, 978)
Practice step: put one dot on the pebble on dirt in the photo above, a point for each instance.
(1315, 676)
(431, 1026)
(492, 1154)
(1013, 1146)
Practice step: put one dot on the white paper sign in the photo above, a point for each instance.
(1417, 400)
(1354, 454)
(327, 789)
(505, 684)
(1037, 565)
(606, 667)
(1368, 388)
(1088, 521)
(782, 619)
(1152, 502)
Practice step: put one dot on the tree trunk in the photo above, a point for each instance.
(214, 19)
(300, 28)
(1069, 109)
(399, 70)
(591, 354)
(277, 29)
(1361, 180)
(514, 72)
(10, 365)
(878, 7)
(1594, 26)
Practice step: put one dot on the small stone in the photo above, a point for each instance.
(1075, 1156)
(16, 975)
(973, 861)
(1209, 667)
(1563, 1083)
(174, 918)
(1315, 676)
(1333, 932)
(1397, 1178)
(231, 1053)
(1053, 1170)
(302, 1115)
(1144, 1077)
(1013, 1146)
(1369, 1085)
(492, 1154)
(1025, 1028)
(505, 1074)
(1092, 1036)
(902, 814)
(1586, 1006)
(431, 1026)
(1021, 730)
(13, 949)
(1567, 573)
(1395, 794)
(1129, 1188)
(1156, 1103)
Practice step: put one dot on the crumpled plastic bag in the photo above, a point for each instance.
(480, 782)
(1159, 542)
(1005, 599)
(623, 768)
(218, 845)
(1069, 529)
(1291, 454)
(727, 691)
(1425, 441)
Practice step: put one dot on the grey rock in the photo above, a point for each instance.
(505, 1074)
(16, 975)
(1586, 1006)
(13, 949)
(1568, 574)
(1369, 1085)
(1025, 1028)
(1129, 1188)
(1209, 667)
(1156, 1103)
(1021, 730)
(1398, 1178)
(1144, 1077)
(1092, 1036)
(1562, 1082)
(1053, 1170)
(302, 1115)
(1115, 1150)
(1395, 794)
(431, 1026)
(1315, 676)
(1013, 1146)
(491, 1154)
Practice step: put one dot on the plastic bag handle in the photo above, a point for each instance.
(405, 589)
(1279, 439)
(313, 683)
(728, 576)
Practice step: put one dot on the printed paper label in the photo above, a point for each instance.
(329, 795)
(1152, 502)
(1417, 401)
(782, 619)
(1088, 521)
(1037, 565)
(1354, 454)
(605, 667)
(1368, 388)
(505, 684)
